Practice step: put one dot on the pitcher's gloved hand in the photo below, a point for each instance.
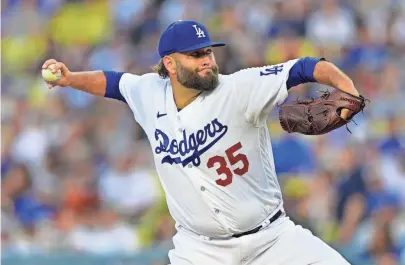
(321, 115)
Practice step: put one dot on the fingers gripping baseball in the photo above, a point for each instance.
(55, 73)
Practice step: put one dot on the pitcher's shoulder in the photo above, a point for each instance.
(226, 85)
(149, 83)
(148, 79)
(226, 81)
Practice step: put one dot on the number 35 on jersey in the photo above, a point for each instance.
(192, 146)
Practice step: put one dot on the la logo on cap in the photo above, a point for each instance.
(199, 32)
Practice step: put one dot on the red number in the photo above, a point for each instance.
(230, 153)
(223, 169)
(233, 159)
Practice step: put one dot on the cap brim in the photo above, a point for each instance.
(202, 45)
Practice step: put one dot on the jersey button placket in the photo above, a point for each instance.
(179, 126)
(221, 220)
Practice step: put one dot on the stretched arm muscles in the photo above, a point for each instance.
(93, 82)
(328, 74)
(310, 69)
(99, 83)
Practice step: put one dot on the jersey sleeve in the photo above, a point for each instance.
(258, 90)
(131, 90)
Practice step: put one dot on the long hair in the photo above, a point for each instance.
(160, 69)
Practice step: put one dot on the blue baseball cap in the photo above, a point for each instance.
(185, 36)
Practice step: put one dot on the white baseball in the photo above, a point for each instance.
(49, 76)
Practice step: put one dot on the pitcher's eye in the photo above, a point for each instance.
(195, 54)
(199, 54)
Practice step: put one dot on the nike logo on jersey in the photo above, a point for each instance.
(159, 115)
(191, 146)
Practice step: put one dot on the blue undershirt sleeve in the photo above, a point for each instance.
(302, 71)
(113, 85)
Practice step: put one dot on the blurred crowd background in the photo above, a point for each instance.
(76, 171)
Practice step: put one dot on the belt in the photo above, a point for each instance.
(254, 230)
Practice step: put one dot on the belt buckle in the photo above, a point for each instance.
(264, 224)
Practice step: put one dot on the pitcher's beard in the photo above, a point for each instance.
(191, 78)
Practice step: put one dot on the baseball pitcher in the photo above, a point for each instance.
(212, 148)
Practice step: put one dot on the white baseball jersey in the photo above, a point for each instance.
(214, 157)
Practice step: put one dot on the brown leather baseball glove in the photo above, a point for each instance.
(321, 115)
